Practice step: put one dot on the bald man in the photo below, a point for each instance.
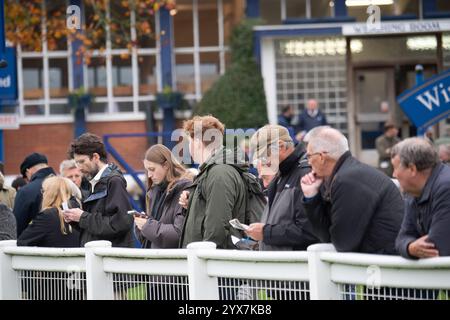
(354, 206)
(310, 118)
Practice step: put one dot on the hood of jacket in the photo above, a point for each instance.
(235, 158)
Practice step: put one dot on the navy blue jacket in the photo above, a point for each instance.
(283, 121)
(306, 122)
(29, 199)
(429, 214)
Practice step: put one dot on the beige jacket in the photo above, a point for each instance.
(7, 194)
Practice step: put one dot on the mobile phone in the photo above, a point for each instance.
(235, 223)
(65, 206)
(137, 214)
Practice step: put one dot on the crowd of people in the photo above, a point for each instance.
(306, 192)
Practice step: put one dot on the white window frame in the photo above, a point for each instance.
(46, 101)
(221, 49)
(109, 115)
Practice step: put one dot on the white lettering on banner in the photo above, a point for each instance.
(9, 121)
(395, 27)
(432, 97)
(5, 82)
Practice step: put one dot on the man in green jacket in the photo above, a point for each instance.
(218, 193)
(384, 144)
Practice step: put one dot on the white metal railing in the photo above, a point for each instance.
(29, 273)
(378, 277)
(202, 272)
(247, 275)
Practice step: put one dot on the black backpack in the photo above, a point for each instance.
(255, 199)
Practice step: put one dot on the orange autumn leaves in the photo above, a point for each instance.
(27, 19)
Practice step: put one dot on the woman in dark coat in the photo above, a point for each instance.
(167, 178)
(48, 228)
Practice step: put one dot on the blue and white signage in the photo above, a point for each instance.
(8, 79)
(429, 102)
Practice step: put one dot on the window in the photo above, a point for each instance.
(123, 80)
(270, 11)
(443, 5)
(313, 68)
(202, 29)
(398, 7)
(322, 8)
(295, 8)
(32, 74)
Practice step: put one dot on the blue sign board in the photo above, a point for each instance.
(8, 79)
(428, 102)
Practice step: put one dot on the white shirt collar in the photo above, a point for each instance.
(97, 177)
(313, 113)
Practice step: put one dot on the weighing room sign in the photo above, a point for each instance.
(429, 102)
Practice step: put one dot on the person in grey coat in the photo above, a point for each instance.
(426, 181)
(284, 224)
(350, 204)
(162, 225)
(8, 229)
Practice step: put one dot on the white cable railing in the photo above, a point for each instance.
(202, 272)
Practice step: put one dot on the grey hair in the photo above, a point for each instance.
(445, 148)
(417, 151)
(74, 190)
(329, 140)
(67, 165)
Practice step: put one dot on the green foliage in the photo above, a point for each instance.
(237, 98)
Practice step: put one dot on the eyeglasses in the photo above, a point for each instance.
(81, 161)
(309, 156)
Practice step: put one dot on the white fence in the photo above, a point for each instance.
(202, 272)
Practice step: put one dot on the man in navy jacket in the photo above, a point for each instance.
(426, 181)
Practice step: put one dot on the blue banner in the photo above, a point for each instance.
(429, 102)
(8, 79)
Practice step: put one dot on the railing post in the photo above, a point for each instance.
(320, 285)
(9, 279)
(99, 286)
(201, 285)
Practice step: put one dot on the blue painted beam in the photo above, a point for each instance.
(340, 9)
(3, 62)
(76, 44)
(429, 6)
(166, 39)
(77, 74)
(252, 9)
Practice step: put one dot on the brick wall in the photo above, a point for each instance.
(53, 140)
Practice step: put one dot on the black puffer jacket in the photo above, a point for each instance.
(105, 211)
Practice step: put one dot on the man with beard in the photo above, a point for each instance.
(104, 215)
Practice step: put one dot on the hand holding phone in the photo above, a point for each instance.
(184, 199)
(137, 214)
(65, 206)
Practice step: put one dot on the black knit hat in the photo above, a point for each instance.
(30, 161)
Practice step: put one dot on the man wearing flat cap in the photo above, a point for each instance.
(284, 225)
(29, 198)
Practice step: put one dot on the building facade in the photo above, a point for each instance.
(307, 49)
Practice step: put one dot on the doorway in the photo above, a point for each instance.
(374, 105)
